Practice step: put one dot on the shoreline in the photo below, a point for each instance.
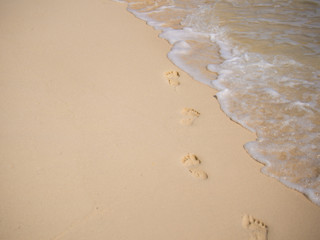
(94, 135)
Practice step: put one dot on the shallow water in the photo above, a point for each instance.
(263, 57)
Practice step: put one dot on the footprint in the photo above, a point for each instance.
(187, 121)
(191, 115)
(190, 160)
(173, 78)
(190, 112)
(257, 229)
(172, 74)
(198, 173)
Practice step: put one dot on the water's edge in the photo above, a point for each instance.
(181, 41)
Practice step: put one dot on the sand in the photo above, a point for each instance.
(102, 137)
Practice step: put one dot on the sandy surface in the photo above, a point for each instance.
(94, 140)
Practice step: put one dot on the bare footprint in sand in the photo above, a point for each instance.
(191, 115)
(198, 173)
(257, 229)
(173, 78)
(190, 160)
(190, 112)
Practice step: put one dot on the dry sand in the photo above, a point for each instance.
(97, 143)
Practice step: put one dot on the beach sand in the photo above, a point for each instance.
(100, 140)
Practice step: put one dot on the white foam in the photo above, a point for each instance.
(174, 36)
